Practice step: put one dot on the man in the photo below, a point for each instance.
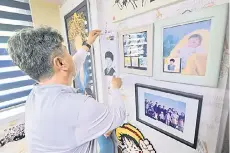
(181, 121)
(57, 119)
(156, 107)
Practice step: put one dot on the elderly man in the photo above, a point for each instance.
(58, 120)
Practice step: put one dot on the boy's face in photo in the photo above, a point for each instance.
(171, 62)
(194, 42)
(109, 62)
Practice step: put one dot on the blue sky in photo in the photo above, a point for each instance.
(167, 102)
(172, 35)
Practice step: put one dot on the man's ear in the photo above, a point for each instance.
(60, 64)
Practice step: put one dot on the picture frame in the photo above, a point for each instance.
(125, 9)
(88, 83)
(200, 62)
(135, 47)
(173, 113)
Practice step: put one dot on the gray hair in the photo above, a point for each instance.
(33, 50)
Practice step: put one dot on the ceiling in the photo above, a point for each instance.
(59, 2)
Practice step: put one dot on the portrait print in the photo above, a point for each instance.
(109, 66)
(172, 65)
(189, 42)
(165, 110)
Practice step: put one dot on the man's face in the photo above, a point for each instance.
(109, 62)
(194, 42)
(171, 62)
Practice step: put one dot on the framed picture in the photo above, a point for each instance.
(136, 50)
(188, 48)
(77, 28)
(173, 113)
(122, 9)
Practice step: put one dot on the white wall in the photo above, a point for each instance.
(213, 97)
(211, 115)
(40, 9)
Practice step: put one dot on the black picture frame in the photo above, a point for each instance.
(83, 8)
(178, 93)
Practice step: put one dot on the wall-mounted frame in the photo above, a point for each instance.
(195, 41)
(136, 50)
(79, 17)
(173, 113)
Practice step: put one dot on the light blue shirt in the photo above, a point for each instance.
(59, 120)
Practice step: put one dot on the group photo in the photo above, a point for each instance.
(165, 110)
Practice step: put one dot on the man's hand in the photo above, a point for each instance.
(108, 134)
(93, 36)
(116, 83)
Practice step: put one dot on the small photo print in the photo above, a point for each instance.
(165, 110)
(127, 61)
(135, 61)
(172, 65)
(143, 61)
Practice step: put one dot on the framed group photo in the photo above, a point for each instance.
(186, 50)
(173, 113)
(136, 50)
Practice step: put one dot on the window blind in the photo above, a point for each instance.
(14, 84)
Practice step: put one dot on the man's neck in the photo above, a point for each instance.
(56, 80)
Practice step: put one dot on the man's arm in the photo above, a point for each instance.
(79, 58)
(93, 119)
(97, 118)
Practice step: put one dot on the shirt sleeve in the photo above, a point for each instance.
(79, 59)
(95, 119)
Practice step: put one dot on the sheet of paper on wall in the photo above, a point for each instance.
(109, 53)
(122, 9)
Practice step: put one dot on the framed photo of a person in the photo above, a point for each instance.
(188, 48)
(173, 113)
(136, 50)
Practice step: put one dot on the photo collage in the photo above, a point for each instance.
(135, 50)
(165, 110)
(185, 48)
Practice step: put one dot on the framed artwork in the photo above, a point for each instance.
(122, 9)
(188, 48)
(173, 113)
(136, 50)
(77, 28)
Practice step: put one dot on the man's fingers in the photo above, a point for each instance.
(96, 30)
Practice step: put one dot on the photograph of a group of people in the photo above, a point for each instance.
(165, 110)
(14, 133)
